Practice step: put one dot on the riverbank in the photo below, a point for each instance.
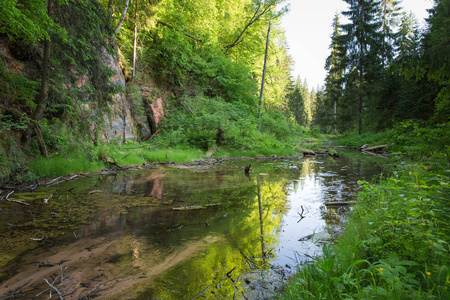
(396, 242)
(130, 154)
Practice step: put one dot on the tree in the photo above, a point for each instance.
(27, 20)
(122, 18)
(335, 69)
(361, 39)
(436, 57)
(260, 8)
(41, 102)
(389, 16)
(296, 102)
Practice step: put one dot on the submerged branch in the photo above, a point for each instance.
(55, 289)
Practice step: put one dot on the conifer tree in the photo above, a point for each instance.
(437, 56)
(388, 14)
(335, 69)
(361, 39)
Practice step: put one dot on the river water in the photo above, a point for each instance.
(178, 232)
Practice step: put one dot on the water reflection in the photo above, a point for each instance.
(175, 233)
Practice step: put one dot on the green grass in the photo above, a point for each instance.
(134, 154)
(396, 244)
(411, 140)
(62, 165)
(371, 139)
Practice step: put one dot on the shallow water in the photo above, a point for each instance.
(175, 232)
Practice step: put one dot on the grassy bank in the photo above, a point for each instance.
(396, 241)
(106, 156)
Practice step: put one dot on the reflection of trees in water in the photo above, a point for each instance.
(248, 220)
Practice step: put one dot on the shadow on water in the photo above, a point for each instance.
(175, 233)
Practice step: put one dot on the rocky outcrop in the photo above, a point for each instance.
(120, 124)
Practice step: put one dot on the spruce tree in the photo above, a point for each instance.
(335, 68)
(389, 15)
(361, 39)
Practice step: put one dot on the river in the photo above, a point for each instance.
(176, 232)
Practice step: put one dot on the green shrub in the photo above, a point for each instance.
(396, 244)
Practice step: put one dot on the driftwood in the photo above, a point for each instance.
(14, 201)
(60, 296)
(200, 294)
(61, 181)
(308, 152)
(377, 148)
(94, 191)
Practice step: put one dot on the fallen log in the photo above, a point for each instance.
(374, 154)
(377, 148)
(308, 152)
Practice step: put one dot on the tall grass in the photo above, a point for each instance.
(396, 244)
(62, 165)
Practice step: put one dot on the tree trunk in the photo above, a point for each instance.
(335, 116)
(264, 73)
(38, 113)
(360, 125)
(361, 88)
(122, 18)
(150, 117)
(41, 142)
(135, 39)
(109, 8)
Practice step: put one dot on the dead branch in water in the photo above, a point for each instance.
(95, 191)
(377, 148)
(54, 288)
(200, 294)
(14, 201)
(61, 181)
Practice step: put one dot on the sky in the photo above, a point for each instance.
(308, 31)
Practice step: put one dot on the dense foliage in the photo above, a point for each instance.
(384, 70)
(204, 58)
(395, 245)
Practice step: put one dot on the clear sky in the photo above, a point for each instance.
(308, 32)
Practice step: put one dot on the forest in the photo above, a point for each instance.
(70, 69)
(89, 85)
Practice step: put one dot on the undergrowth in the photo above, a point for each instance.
(410, 139)
(396, 243)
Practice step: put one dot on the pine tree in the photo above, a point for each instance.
(437, 56)
(296, 102)
(361, 39)
(335, 69)
(388, 14)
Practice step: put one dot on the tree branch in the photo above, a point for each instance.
(186, 34)
(122, 18)
(256, 16)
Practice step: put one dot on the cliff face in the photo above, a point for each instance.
(124, 118)
(119, 124)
